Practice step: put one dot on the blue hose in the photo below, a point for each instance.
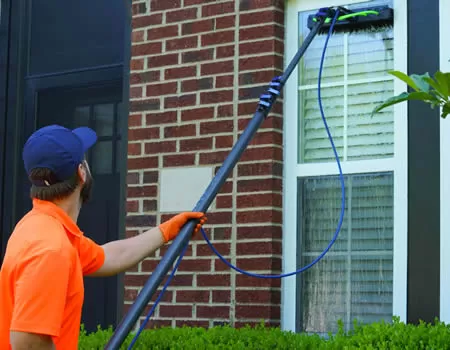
(304, 268)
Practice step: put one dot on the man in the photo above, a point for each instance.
(41, 279)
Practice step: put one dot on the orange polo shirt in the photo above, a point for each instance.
(41, 278)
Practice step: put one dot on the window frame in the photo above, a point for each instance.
(398, 164)
(444, 27)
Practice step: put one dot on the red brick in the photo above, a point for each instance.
(224, 141)
(216, 96)
(262, 153)
(260, 216)
(162, 32)
(135, 120)
(213, 312)
(225, 111)
(137, 36)
(225, 22)
(134, 149)
(181, 72)
(136, 92)
(130, 294)
(258, 248)
(225, 51)
(161, 89)
(197, 27)
(262, 62)
(145, 21)
(259, 200)
(197, 265)
(221, 296)
(258, 185)
(213, 280)
(156, 324)
(142, 191)
(197, 55)
(181, 15)
(217, 38)
(247, 5)
(136, 64)
(146, 49)
(258, 312)
(192, 296)
(260, 17)
(145, 77)
(196, 144)
(182, 43)
(162, 60)
(258, 296)
(179, 160)
(259, 232)
(213, 157)
(179, 280)
(180, 131)
(217, 68)
(260, 264)
(216, 127)
(149, 205)
(138, 9)
(224, 81)
(132, 206)
(150, 177)
(196, 84)
(142, 163)
(205, 250)
(180, 101)
(259, 47)
(218, 9)
(250, 281)
(161, 5)
(133, 178)
(143, 134)
(160, 147)
(160, 118)
(175, 311)
(267, 31)
(267, 138)
(197, 113)
(224, 202)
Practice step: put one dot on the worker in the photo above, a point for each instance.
(47, 255)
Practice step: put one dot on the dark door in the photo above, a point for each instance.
(97, 107)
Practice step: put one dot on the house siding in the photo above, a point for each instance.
(197, 71)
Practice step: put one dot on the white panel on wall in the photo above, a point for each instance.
(181, 188)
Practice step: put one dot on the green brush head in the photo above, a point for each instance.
(364, 19)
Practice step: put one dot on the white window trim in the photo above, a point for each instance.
(444, 28)
(292, 170)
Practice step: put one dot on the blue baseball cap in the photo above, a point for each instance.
(57, 148)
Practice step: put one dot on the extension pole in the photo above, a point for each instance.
(203, 204)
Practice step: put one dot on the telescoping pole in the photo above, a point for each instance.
(206, 199)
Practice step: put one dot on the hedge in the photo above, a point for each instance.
(382, 335)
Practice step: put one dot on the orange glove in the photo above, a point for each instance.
(172, 227)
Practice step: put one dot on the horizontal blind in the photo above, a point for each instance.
(354, 280)
(354, 81)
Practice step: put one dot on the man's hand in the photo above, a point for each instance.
(25, 341)
(172, 227)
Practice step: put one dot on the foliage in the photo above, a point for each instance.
(433, 90)
(382, 335)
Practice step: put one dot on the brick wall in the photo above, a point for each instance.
(198, 68)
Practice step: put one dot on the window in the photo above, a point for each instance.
(362, 277)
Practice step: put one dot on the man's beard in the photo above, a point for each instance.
(86, 190)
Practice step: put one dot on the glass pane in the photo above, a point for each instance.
(104, 119)
(354, 279)
(81, 116)
(102, 154)
(313, 141)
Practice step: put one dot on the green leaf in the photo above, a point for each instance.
(445, 110)
(402, 76)
(443, 80)
(422, 96)
(420, 81)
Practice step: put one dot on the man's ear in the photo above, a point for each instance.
(82, 173)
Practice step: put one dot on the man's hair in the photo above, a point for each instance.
(57, 191)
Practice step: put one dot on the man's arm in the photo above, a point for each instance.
(25, 341)
(123, 254)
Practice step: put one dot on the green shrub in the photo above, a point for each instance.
(395, 335)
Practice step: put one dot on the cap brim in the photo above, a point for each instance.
(87, 136)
